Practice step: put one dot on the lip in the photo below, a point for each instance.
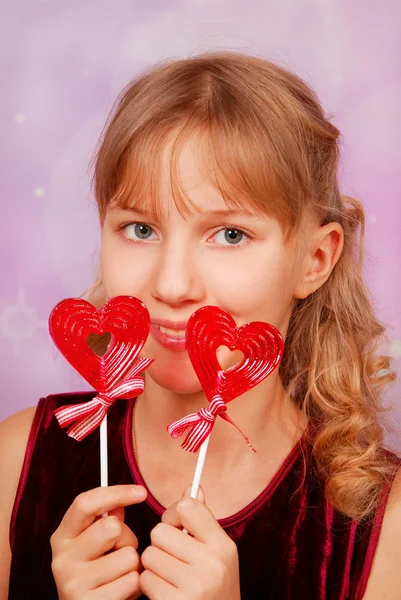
(168, 341)
(170, 324)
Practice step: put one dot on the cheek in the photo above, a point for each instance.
(262, 291)
(122, 274)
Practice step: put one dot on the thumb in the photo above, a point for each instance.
(200, 497)
(118, 512)
(171, 515)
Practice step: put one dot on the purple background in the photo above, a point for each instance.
(63, 64)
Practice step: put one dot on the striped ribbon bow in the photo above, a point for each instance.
(88, 415)
(200, 425)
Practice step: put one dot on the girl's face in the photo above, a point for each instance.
(177, 264)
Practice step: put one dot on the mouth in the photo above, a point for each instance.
(173, 333)
(169, 337)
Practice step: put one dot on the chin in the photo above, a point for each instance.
(178, 378)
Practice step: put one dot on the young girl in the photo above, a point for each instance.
(216, 181)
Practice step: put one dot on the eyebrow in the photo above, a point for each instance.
(139, 211)
(208, 213)
(227, 212)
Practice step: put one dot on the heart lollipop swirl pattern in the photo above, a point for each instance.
(113, 375)
(261, 344)
(209, 328)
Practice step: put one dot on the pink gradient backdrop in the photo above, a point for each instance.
(62, 65)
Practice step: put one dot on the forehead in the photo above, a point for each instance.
(182, 176)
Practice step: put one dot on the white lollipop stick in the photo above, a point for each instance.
(104, 480)
(201, 460)
(199, 469)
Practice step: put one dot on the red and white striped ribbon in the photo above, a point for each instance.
(200, 425)
(88, 415)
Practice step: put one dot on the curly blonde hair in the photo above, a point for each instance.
(265, 141)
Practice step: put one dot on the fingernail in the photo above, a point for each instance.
(201, 494)
(187, 492)
(138, 491)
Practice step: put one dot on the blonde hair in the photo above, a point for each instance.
(265, 141)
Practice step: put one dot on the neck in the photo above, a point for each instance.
(265, 414)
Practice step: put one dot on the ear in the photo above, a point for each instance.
(321, 255)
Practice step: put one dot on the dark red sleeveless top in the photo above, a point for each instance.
(291, 543)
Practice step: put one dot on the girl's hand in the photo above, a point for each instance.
(81, 568)
(180, 567)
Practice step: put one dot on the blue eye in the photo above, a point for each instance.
(139, 231)
(230, 236)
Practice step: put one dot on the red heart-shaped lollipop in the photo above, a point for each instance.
(209, 328)
(115, 374)
(261, 344)
(125, 318)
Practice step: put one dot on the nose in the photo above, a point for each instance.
(176, 279)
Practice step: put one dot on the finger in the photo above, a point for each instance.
(171, 516)
(200, 494)
(176, 543)
(197, 519)
(118, 512)
(125, 587)
(126, 538)
(156, 588)
(112, 566)
(97, 539)
(102, 536)
(166, 567)
(88, 505)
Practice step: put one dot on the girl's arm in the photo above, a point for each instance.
(14, 433)
(385, 577)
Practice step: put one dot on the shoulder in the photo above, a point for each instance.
(14, 434)
(385, 576)
(18, 424)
